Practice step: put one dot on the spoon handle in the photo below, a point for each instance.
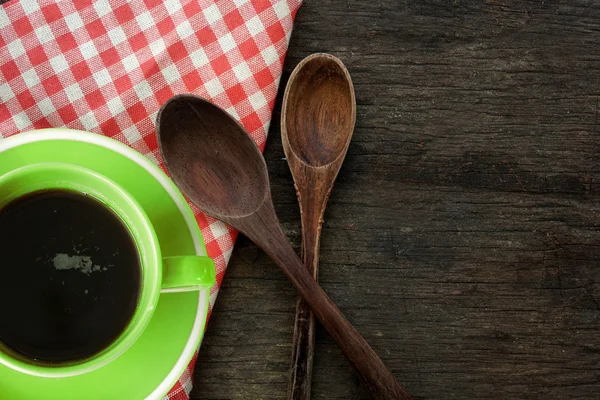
(263, 228)
(303, 348)
(378, 379)
(312, 206)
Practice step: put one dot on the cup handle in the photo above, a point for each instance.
(187, 273)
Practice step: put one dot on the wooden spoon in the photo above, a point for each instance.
(317, 122)
(214, 161)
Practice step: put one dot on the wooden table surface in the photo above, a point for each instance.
(463, 235)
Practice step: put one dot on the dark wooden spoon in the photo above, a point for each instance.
(214, 161)
(317, 122)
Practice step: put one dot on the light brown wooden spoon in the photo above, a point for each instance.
(317, 122)
(214, 161)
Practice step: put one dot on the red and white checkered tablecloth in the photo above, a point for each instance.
(106, 66)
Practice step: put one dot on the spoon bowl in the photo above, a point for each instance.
(211, 168)
(320, 110)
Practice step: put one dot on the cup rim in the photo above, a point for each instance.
(138, 223)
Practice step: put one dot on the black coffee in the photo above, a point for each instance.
(69, 276)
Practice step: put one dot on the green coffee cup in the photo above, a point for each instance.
(158, 274)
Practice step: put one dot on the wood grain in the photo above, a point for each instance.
(463, 235)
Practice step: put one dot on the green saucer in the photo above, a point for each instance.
(152, 366)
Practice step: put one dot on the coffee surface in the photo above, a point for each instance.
(69, 276)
